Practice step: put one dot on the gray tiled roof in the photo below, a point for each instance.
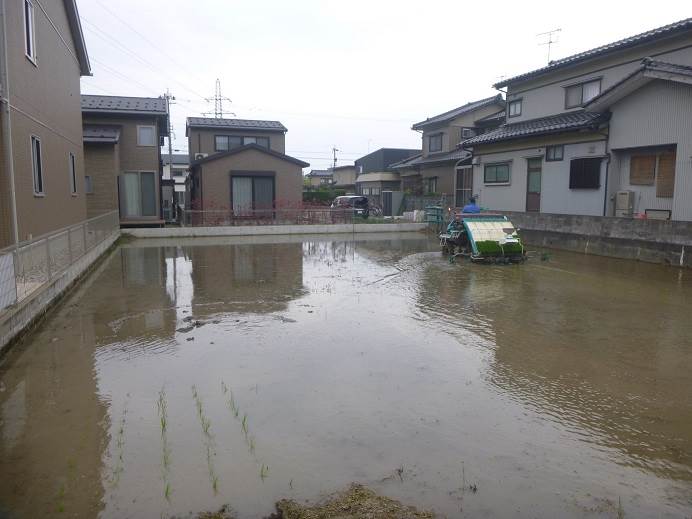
(456, 112)
(492, 118)
(178, 158)
(320, 173)
(544, 125)
(681, 26)
(235, 124)
(452, 156)
(121, 104)
(101, 133)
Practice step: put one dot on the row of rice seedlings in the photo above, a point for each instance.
(244, 426)
(119, 446)
(162, 408)
(205, 422)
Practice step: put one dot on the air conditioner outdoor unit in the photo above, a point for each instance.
(624, 204)
(200, 156)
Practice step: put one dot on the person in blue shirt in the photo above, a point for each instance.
(471, 207)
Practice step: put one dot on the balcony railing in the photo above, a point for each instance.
(34, 263)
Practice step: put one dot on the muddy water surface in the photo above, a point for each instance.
(181, 376)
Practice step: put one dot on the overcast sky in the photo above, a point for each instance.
(355, 74)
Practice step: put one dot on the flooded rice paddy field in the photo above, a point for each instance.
(182, 376)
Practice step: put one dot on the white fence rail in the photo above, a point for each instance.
(30, 265)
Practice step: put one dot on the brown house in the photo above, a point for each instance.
(444, 167)
(122, 150)
(240, 166)
(42, 57)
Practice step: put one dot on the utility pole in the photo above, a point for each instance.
(549, 35)
(170, 99)
(334, 150)
(218, 100)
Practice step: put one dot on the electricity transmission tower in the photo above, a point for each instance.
(549, 35)
(218, 100)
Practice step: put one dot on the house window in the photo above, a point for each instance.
(73, 173)
(514, 108)
(29, 31)
(146, 136)
(496, 173)
(577, 95)
(260, 141)
(554, 153)
(250, 194)
(88, 185)
(585, 173)
(435, 143)
(430, 185)
(375, 191)
(37, 164)
(364, 190)
(226, 142)
(467, 133)
(138, 194)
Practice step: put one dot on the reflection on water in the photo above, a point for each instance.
(182, 375)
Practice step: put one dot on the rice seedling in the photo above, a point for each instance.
(251, 444)
(264, 471)
(162, 408)
(167, 491)
(244, 424)
(208, 440)
(119, 446)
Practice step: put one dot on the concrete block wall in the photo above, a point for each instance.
(655, 241)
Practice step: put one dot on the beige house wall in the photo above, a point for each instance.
(445, 177)
(133, 157)
(102, 164)
(202, 140)
(45, 99)
(451, 130)
(215, 178)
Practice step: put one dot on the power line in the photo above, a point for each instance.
(103, 35)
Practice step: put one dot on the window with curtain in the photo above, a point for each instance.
(577, 95)
(554, 153)
(514, 108)
(435, 143)
(496, 173)
(138, 194)
(146, 136)
(250, 194)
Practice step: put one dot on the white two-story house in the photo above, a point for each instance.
(606, 132)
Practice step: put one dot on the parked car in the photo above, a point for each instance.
(359, 204)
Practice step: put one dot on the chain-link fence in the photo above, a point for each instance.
(303, 216)
(31, 264)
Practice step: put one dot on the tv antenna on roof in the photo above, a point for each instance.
(218, 100)
(550, 40)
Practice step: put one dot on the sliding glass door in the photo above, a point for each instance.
(250, 194)
(138, 194)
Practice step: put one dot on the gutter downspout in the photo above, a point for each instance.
(7, 123)
(605, 194)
